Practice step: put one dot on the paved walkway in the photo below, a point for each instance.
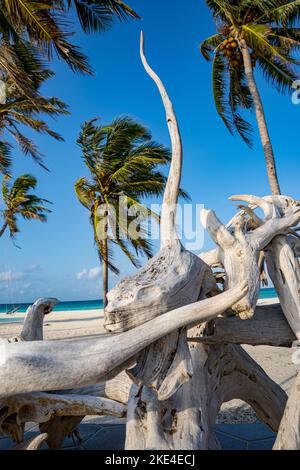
(109, 434)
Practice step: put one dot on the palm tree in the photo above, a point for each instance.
(20, 110)
(45, 25)
(18, 201)
(122, 161)
(250, 34)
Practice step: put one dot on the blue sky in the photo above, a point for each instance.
(216, 165)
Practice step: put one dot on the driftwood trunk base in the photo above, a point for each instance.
(186, 421)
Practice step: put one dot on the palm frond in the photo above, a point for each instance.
(220, 89)
(19, 201)
(98, 15)
(257, 39)
(208, 46)
(286, 14)
(5, 157)
(279, 75)
(124, 165)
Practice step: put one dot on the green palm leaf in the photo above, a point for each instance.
(123, 162)
(19, 201)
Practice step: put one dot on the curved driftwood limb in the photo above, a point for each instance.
(33, 322)
(283, 268)
(281, 213)
(254, 201)
(168, 214)
(116, 389)
(240, 252)
(264, 235)
(173, 278)
(239, 376)
(186, 420)
(34, 443)
(212, 258)
(59, 427)
(16, 410)
(288, 437)
(256, 221)
(239, 259)
(268, 327)
(219, 233)
(53, 365)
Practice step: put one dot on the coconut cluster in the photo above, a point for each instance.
(231, 51)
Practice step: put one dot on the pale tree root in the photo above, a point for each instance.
(17, 410)
(268, 327)
(186, 421)
(59, 427)
(288, 437)
(34, 443)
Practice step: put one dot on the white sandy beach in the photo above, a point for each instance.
(277, 362)
(59, 325)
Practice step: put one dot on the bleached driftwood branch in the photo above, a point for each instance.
(32, 329)
(240, 244)
(268, 327)
(53, 365)
(16, 410)
(168, 214)
(288, 437)
(34, 443)
(178, 385)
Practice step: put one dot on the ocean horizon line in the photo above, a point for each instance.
(79, 305)
(67, 305)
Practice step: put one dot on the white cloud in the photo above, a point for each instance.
(6, 276)
(91, 274)
(94, 273)
(81, 275)
(32, 268)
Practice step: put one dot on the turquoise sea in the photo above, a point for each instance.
(62, 306)
(80, 305)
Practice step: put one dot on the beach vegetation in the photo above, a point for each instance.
(124, 166)
(252, 35)
(20, 201)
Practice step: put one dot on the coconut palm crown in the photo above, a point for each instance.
(251, 34)
(20, 111)
(20, 202)
(123, 163)
(46, 25)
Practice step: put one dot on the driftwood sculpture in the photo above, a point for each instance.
(173, 354)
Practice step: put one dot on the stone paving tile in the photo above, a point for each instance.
(5, 444)
(107, 438)
(248, 432)
(101, 420)
(263, 444)
(231, 443)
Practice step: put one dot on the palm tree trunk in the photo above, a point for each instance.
(3, 229)
(105, 272)
(261, 120)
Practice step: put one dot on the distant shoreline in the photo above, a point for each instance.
(66, 306)
(81, 305)
(89, 324)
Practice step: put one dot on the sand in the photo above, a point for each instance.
(277, 362)
(59, 325)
